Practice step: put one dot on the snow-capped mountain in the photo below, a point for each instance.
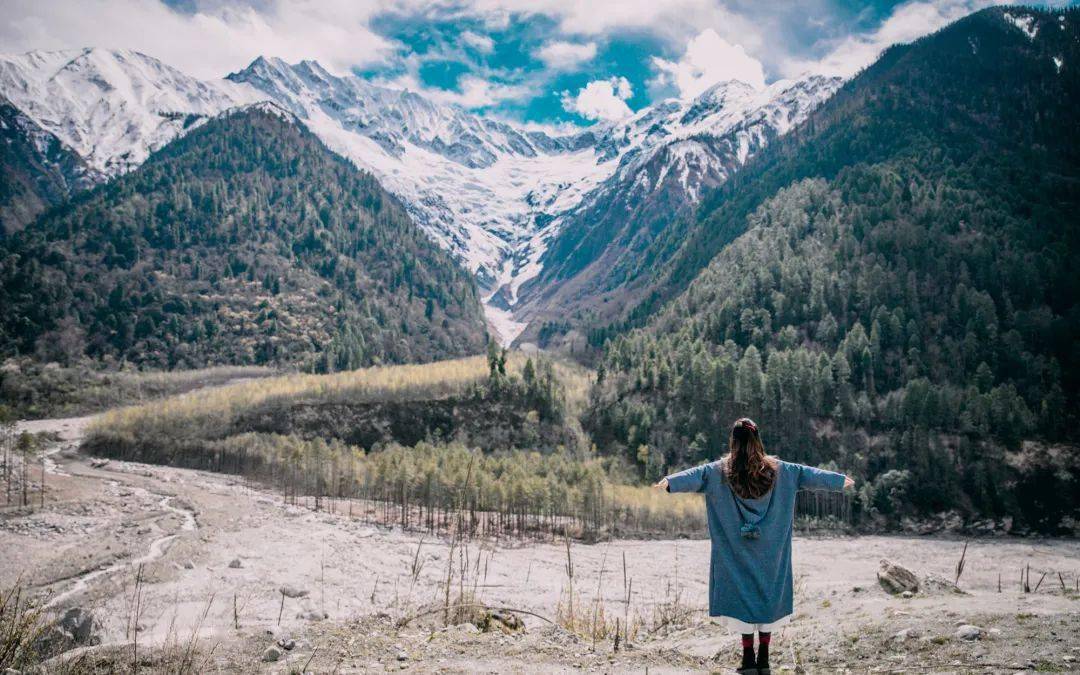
(37, 170)
(494, 194)
(670, 154)
(477, 185)
(113, 107)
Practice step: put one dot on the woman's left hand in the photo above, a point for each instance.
(661, 485)
(849, 482)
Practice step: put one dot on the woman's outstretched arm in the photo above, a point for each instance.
(812, 478)
(691, 480)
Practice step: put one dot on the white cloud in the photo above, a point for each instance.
(472, 91)
(601, 99)
(481, 43)
(210, 42)
(908, 22)
(566, 55)
(709, 59)
(668, 17)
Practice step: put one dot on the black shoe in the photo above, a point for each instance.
(747, 671)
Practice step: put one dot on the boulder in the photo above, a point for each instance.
(968, 632)
(79, 624)
(271, 654)
(932, 583)
(896, 579)
(506, 622)
(292, 591)
(906, 634)
(235, 563)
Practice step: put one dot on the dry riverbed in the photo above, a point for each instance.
(212, 553)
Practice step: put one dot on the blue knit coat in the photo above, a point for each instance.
(750, 576)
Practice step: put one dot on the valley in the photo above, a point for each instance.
(493, 195)
(107, 524)
(321, 367)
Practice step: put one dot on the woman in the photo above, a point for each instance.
(750, 501)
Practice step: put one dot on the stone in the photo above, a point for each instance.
(79, 624)
(906, 634)
(287, 643)
(507, 622)
(932, 583)
(188, 565)
(907, 595)
(235, 563)
(468, 628)
(271, 654)
(290, 591)
(896, 579)
(969, 632)
(402, 656)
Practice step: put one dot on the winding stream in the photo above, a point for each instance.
(70, 431)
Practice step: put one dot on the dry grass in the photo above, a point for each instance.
(22, 624)
(216, 409)
(34, 390)
(644, 509)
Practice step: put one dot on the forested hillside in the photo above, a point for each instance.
(36, 170)
(895, 291)
(244, 242)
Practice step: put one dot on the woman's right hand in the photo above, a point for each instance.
(661, 485)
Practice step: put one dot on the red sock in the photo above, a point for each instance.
(763, 649)
(748, 650)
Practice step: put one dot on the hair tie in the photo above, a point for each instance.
(750, 425)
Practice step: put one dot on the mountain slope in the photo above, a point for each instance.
(904, 104)
(895, 288)
(36, 170)
(245, 241)
(493, 194)
(679, 151)
(112, 107)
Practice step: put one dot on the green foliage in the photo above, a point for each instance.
(244, 242)
(910, 313)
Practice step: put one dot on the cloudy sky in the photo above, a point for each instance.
(542, 61)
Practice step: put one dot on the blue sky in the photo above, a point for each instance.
(548, 62)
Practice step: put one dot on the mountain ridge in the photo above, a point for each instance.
(245, 241)
(442, 161)
(889, 290)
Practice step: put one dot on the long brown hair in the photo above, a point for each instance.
(750, 472)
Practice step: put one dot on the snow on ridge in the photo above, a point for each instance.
(113, 107)
(492, 193)
(1025, 22)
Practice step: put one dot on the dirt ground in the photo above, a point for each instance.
(214, 553)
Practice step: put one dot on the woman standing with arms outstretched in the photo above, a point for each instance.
(750, 501)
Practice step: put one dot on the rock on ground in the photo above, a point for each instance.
(896, 579)
(969, 632)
